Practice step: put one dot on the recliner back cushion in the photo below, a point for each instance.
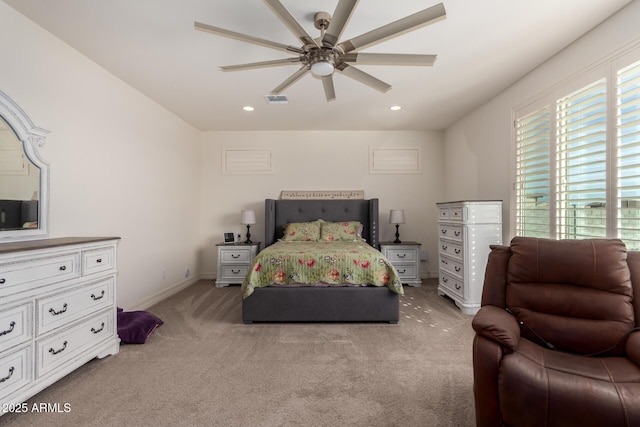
(574, 294)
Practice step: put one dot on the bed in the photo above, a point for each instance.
(311, 302)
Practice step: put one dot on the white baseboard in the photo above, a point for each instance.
(165, 293)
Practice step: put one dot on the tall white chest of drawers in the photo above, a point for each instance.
(466, 230)
(57, 311)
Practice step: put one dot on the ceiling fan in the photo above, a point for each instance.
(325, 54)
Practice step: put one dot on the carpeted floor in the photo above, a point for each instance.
(204, 367)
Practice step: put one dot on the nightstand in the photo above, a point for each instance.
(234, 261)
(405, 257)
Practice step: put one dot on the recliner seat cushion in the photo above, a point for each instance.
(541, 387)
(583, 301)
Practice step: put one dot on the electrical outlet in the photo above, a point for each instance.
(187, 273)
(424, 256)
(164, 274)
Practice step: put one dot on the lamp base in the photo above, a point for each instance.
(397, 234)
(248, 236)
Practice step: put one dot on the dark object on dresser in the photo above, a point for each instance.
(557, 340)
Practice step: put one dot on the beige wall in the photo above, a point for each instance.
(322, 160)
(478, 153)
(120, 164)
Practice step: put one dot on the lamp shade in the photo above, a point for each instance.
(248, 217)
(396, 217)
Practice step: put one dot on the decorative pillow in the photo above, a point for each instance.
(302, 232)
(346, 230)
(134, 327)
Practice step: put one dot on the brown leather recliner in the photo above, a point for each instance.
(557, 340)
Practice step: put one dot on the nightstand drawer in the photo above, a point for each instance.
(235, 256)
(406, 272)
(397, 256)
(234, 272)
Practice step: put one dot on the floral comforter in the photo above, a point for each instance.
(321, 263)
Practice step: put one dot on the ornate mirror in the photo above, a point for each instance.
(24, 176)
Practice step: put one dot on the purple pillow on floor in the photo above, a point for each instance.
(134, 327)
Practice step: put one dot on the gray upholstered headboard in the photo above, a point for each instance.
(278, 213)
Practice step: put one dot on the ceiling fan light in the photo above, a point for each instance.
(322, 68)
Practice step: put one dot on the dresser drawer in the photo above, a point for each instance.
(407, 272)
(452, 266)
(398, 256)
(453, 284)
(57, 349)
(452, 249)
(19, 275)
(98, 260)
(451, 232)
(235, 256)
(56, 310)
(15, 371)
(234, 272)
(15, 325)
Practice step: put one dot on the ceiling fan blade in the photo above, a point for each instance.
(245, 38)
(339, 20)
(395, 28)
(291, 80)
(389, 59)
(283, 14)
(261, 64)
(329, 90)
(363, 77)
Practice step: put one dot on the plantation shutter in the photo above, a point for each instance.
(533, 174)
(628, 155)
(581, 169)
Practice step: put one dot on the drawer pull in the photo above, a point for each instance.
(235, 256)
(444, 247)
(96, 331)
(456, 233)
(401, 255)
(402, 271)
(457, 251)
(444, 231)
(3, 379)
(8, 331)
(444, 262)
(63, 267)
(235, 271)
(2, 281)
(55, 313)
(64, 346)
(96, 298)
(445, 280)
(457, 269)
(458, 286)
(99, 260)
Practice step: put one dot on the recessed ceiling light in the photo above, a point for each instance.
(248, 108)
(395, 108)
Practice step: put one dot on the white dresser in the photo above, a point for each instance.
(57, 311)
(466, 230)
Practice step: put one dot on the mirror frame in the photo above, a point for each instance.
(31, 137)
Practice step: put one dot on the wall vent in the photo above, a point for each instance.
(276, 99)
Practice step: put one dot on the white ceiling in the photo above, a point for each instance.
(482, 46)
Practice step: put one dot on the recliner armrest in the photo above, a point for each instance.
(633, 347)
(497, 325)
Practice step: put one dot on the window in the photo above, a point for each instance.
(577, 166)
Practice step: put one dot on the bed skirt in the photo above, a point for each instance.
(321, 304)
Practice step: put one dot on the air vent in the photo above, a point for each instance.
(276, 99)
